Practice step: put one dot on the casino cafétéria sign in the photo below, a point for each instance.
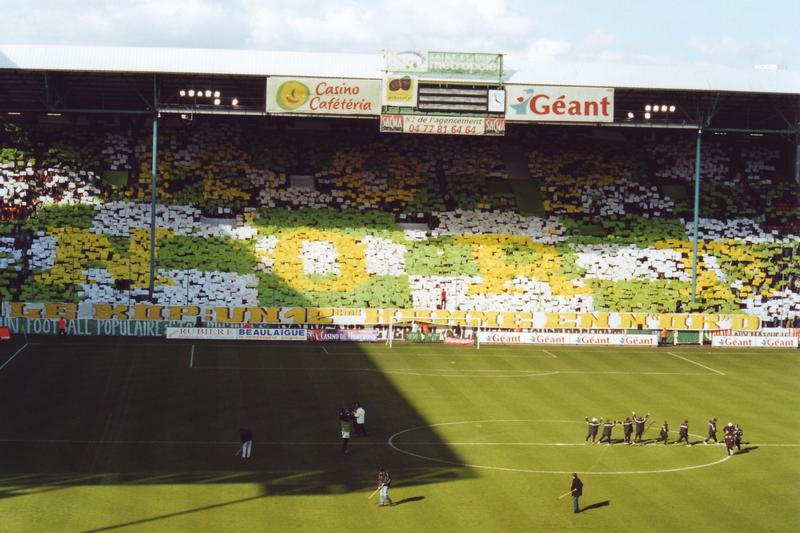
(323, 96)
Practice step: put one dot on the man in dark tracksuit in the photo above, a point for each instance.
(577, 492)
(639, 423)
(607, 427)
(627, 429)
(729, 442)
(663, 434)
(738, 433)
(712, 431)
(684, 433)
(592, 426)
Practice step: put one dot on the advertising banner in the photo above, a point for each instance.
(459, 63)
(400, 91)
(441, 125)
(597, 339)
(458, 341)
(754, 342)
(543, 103)
(234, 334)
(343, 335)
(323, 96)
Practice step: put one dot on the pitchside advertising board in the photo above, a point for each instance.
(753, 342)
(323, 96)
(543, 103)
(594, 339)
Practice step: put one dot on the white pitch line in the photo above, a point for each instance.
(191, 358)
(13, 356)
(696, 363)
(551, 354)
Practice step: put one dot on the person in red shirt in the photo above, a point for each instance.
(62, 327)
(444, 299)
(248, 325)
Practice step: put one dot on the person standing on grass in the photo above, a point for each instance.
(360, 416)
(345, 426)
(663, 434)
(62, 327)
(577, 491)
(639, 422)
(592, 426)
(729, 442)
(684, 433)
(738, 434)
(607, 427)
(246, 436)
(712, 431)
(627, 429)
(664, 337)
(384, 480)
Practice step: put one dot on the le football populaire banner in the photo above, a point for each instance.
(542, 103)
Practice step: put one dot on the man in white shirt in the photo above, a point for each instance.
(360, 415)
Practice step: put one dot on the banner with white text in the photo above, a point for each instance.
(443, 125)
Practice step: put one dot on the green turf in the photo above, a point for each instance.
(110, 434)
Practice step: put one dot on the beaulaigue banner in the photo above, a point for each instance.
(234, 334)
(323, 96)
(544, 103)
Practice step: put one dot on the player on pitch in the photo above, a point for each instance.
(639, 423)
(712, 431)
(591, 426)
(607, 427)
(577, 491)
(684, 433)
(384, 480)
(627, 429)
(663, 434)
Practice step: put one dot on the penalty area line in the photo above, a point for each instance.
(696, 363)
(191, 358)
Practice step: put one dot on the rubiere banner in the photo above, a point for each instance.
(323, 96)
(543, 103)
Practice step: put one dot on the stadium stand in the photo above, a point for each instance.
(346, 217)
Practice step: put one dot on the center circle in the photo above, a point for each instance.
(484, 427)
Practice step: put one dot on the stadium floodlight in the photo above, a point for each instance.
(182, 92)
(235, 101)
(216, 94)
(191, 92)
(672, 109)
(208, 93)
(647, 107)
(647, 116)
(630, 114)
(217, 101)
(664, 109)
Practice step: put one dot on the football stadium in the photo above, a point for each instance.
(400, 291)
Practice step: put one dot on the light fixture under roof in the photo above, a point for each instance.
(647, 116)
(630, 114)
(235, 101)
(208, 93)
(191, 92)
(217, 101)
(672, 109)
(182, 92)
(216, 94)
(647, 107)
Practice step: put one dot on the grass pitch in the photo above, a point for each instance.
(140, 435)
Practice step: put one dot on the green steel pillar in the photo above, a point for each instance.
(153, 209)
(696, 215)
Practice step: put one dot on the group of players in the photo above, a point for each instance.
(635, 425)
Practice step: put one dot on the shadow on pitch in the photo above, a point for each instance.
(177, 513)
(597, 505)
(747, 449)
(409, 500)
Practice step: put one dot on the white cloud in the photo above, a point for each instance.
(724, 47)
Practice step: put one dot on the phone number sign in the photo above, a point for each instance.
(441, 125)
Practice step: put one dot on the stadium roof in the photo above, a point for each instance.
(265, 63)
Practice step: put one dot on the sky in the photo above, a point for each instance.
(734, 33)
